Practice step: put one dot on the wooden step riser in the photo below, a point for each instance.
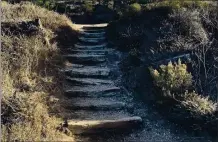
(112, 126)
(103, 108)
(84, 82)
(110, 93)
(92, 35)
(86, 61)
(92, 40)
(83, 75)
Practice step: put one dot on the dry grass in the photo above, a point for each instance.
(31, 76)
(198, 104)
(24, 11)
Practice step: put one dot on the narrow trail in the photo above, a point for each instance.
(96, 101)
(99, 108)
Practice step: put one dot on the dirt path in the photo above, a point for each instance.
(98, 107)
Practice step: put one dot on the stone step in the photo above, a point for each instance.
(71, 65)
(94, 115)
(85, 58)
(92, 91)
(98, 52)
(88, 81)
(102, 126)
(91, 28)
(92, 40)
(91, 34)
(88, 71)
(94, 104)
(87, 46)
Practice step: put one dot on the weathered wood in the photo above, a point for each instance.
(85, 58)
(92, 91)
(88, 34)
(102, 126)
(84, 46)
(92, 40)
(88, 81)
(88, 72)
(94, 52)
(84, 103)
(94, 115)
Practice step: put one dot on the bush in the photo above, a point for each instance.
(172, 77)
(88, 7)
(197, 104)
(134, 9)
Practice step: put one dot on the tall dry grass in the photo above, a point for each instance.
(31, 75)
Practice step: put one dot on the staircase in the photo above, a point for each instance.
(95, 103)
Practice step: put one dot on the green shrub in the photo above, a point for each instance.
(49, 4)
(172, 77)
(88, 7)
(175, 79)
(197, 104)
(134, 9)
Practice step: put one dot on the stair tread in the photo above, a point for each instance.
(91, 50)
(90, 46)
(73, 65)
(95, 103)
(91, 40)
(101, 126)
(94, 122)
(88, 71)
(83, 55)
(89, 81)
(95, 115)
(91, 34)
(84, 58)
(91, 88)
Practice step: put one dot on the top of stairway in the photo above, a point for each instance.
(82, 27)
(92, 25)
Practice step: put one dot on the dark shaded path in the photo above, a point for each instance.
(100, 107)
(97, 103)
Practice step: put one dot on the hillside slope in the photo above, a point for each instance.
(154, 37)
(31, 59)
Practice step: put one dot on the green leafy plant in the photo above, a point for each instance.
(172, 77)
(88, 7)
(197, 104)
(134, 9)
